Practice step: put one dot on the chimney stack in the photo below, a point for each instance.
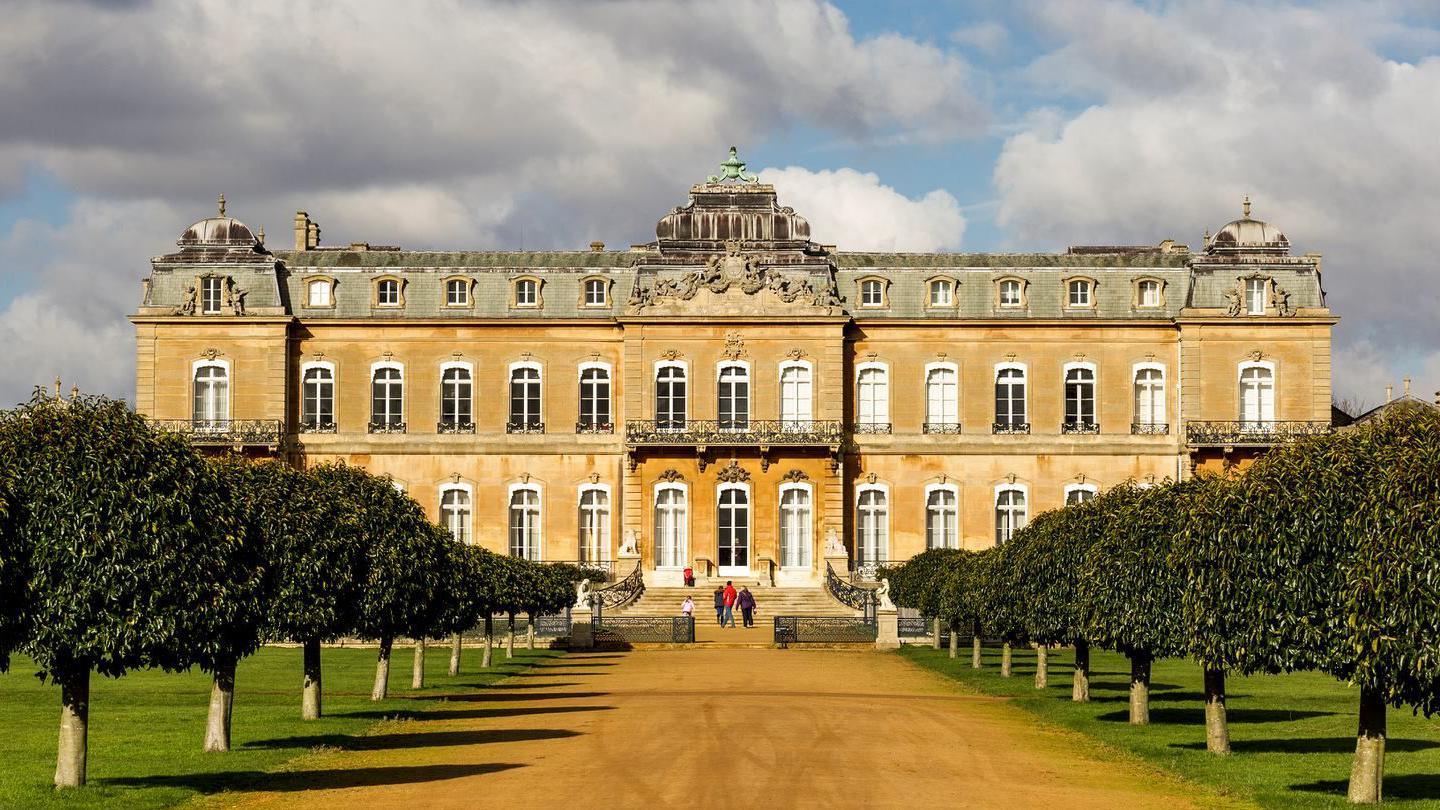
(1406, 380)
(597, 247)
(1389, 393)
(307, 233)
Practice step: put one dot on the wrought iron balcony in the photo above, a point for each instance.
(454, 427)
(594, 427)
(713, 432)
(224, 432)
(947, 428)
(1079, 428)
(1149, 428)
(515, 426)
(385, 427)
(1255, 434)
(1010, 428)
(870, 428)
(312, 426)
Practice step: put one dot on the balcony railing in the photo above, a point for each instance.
(870, 428)
(945, 428)
(1010, 428)
(454, 427)
(1149, 428)
(1258, 434)
(318, 427)
(224, 432)
(1079, 428)
(514, 426)
(385, 427)
(594, 427)
(713, 432)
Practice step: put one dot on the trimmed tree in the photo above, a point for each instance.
(319, 570)
(554, 591)
(470, 599)
(962, 600)
(14, 568)
(917, 583)
(121, 523)
(1004, 616)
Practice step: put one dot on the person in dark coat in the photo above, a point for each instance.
(720, 605)
(746, 601)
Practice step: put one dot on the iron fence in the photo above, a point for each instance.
(1149, 428)
(553, 625)
(849, 594)
(1009, 428)
(870, 428)
(824, 630)
(644, 629)
(943, 428)
(621, 593)
(1072, 428)
(914, 626)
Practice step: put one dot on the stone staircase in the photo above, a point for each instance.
(769, 602)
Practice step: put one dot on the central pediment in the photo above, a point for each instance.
(736, 283)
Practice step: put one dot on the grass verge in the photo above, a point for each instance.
(1292, 735)
(146, 729)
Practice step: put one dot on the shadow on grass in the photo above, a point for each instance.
(290, 781)
(1314, 745)
(1409, 786)
(1196, 716)
(1124, 686)
(417, 739)
(471, 714)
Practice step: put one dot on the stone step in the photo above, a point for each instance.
(665, 601)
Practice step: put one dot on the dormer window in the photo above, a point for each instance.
(319, 292)
(1255, 296)
(1147, 293)
(526, 293)
(1081, 293)
(387, 292)
(872, 292)
(1010, 293)
(942, 293)
(211, 294)
(457, 292)
(595, 293)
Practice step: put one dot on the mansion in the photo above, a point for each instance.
(735, 396)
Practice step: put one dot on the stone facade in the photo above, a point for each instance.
(733, 391)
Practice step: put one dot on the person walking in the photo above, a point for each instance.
(687, 608)
(720, 605)
(729, 597)
(746, 601)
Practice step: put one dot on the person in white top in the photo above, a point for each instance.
(687, 608)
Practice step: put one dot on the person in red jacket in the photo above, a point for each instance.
(730, 596)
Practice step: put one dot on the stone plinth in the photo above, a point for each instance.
(582, 634)
(887, 636)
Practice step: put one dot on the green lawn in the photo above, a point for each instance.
(1292, 735)
(146, 729)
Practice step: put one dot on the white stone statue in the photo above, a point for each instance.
(833, 546)
(582, 594)
(630, 545)
(882, 595)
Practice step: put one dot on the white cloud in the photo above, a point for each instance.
(855, 211)
(988, 37)
(1289, 104)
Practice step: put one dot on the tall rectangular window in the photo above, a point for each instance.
(670, 523)
(733, 396)
(455, 513)
(594, 524)
(795, 397)
(873, 394)
(1255, 296)
(796, 526)
(211, 294)
(1010, 397)
(1257, 397)
(942, 519)
(732, 523)
(873, 526)
(456, 386)
(1149, 396)
(595, 399)
(317, 398)
(211, 407)
(525, 523)
(1010, 514)
(387, 391)
(525, 401)
(1079, 398)
(942, 400)
(670, 398)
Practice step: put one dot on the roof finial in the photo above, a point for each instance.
(733, 169)
(221, 202)
(1406, 381)
(57, 386)
(1246, 206)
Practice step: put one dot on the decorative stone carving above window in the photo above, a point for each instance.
(733, 473)
(795, 475)
(670, 476)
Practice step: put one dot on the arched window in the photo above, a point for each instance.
(211, 407)
(670, 525)
(457, 412)
(872, 394)
(942, 517)
(317, 398)
(387, 398)
(457, 292)
(732, 525)
(1011, 293)
(1010, 512)
(1081, 293)
(1149, 400)
(796, 526)
(873, 524)
(795, 396)
(1080, 493)
(1257, 396)
(318, 293)
(1080, 399)
(525, 536)
(942, 399)
(387, 292)
(1010, 399)
(594, 522)
(942, 292)
(455, 509)
(525, 399)
(872, 292)
(527, 293)
(595, 292)
(670, 397)
(733, 396)
(594, 399)
(1147, 293)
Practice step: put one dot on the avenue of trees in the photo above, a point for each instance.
(121, 549)
(1323, 555)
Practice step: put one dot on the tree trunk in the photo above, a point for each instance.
(975, 661)
(1005, 662)
(954, 642)
(1140, 688)
(1368, 769)
(1080, 689)
(530, 632)
(455, 647)
(74, 728)
(935, 642)
(1217, 731)
(1042, 666)
(310, 695)
(417, 670)
(487, 656)
(510, 639)
(222, 702)
(381, 689)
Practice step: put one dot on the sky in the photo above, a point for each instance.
(931, 125)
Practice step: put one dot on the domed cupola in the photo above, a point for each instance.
(218, 231)
(1246, 235)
